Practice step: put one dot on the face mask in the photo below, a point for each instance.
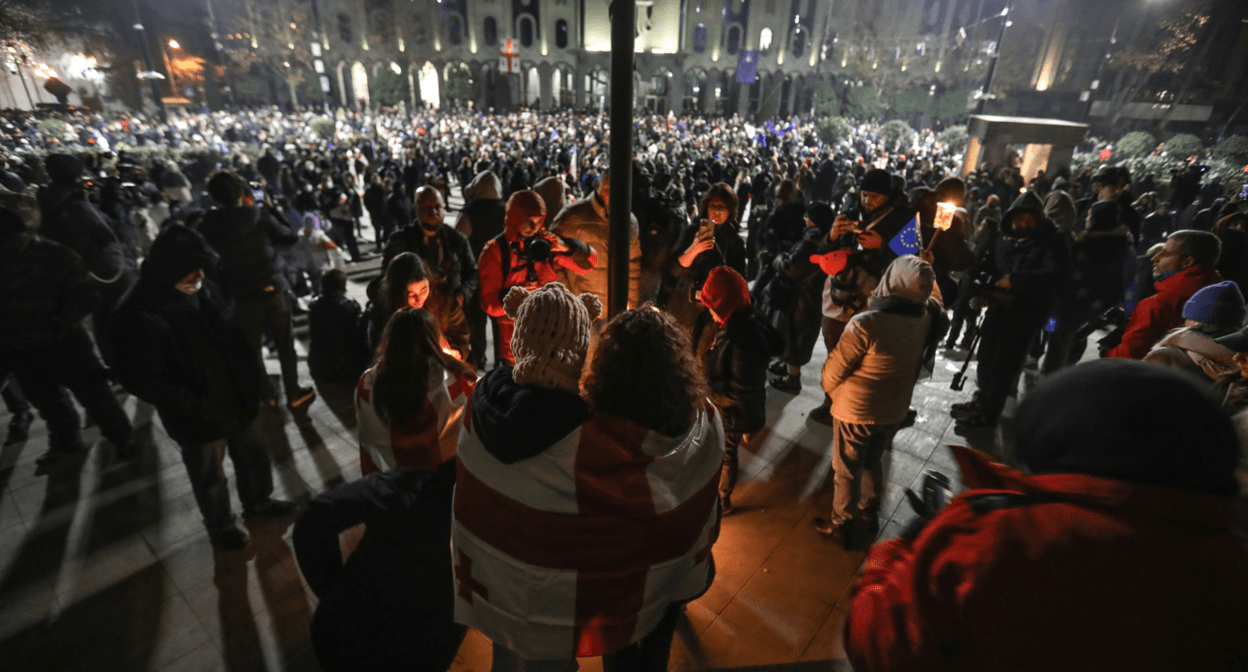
(189, 288)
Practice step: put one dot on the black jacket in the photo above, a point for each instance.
(791, 300)
(1038, 265)
(45, 291)
(736, 370)
(515, 422)
(69, 219)
(180, 353)
(337, 339)
(452, 267)
(244, 237)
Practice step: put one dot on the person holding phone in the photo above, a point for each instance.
(713, 240)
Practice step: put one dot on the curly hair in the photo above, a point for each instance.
(720, 191)
(644, 370)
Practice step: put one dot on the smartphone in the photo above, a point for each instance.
(1243, 191)
(257, 195)
(706, 229)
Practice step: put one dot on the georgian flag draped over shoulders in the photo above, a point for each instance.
(578, 550)
(422, 441)
(747, 66)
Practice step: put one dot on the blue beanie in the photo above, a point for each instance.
(1221, 304)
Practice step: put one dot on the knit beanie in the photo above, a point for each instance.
(1129, 421)
(877, 180)
(1221, 305)
(64, 169)
(551, 336)
(822, 215)
(520, 207)
(724, 292)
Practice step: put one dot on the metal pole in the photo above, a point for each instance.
(220, 49)
(147, 63)
(623, 33)
(992, 66)
(22, 75)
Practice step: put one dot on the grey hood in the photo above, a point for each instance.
(485, 186)
(908, 278)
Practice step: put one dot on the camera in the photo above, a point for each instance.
(532, 250)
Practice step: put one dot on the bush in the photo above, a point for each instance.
(951, 106)
(863, 103)
(1234, 148)
(955, 138)
(832, 130)
(826, 101)
(52, 128)
(1184, 145)
(896, 135)
(324, 128)
(911, 102)
(1136, 143)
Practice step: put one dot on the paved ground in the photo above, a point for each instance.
(107, 566)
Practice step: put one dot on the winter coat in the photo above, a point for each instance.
(586, 221)
(1079, 573)
(423, 439)
(337, 339)
(1098, 278)
(1037, 264)
(680, 284)
(871, 372)
(45, 292)
(1194, 351)
(69, 219)
(447, 255)
(181, 353)
(244, 236)
(1163, 311)
(397, 583)
(736, 369)
(557, 554)
(784, 228)
(791, 300)
(482, 218)
(845, 294)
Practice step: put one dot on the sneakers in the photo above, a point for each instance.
(790, 384)
(19, 428)
(838, 533)
(231, 538)
(301, 397)
(271, 508)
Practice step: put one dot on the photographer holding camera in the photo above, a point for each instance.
(525, 255)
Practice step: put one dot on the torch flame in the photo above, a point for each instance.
(944, 215)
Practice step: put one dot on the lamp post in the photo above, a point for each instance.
(151, 74)
(220, 49)
(992, 65)
(623, 36)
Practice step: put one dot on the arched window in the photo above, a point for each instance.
(699, 38)
(490, 31)
(454, 29)
(732, 40)
(561, 34)
(344, 28)
(526, 29)
(764, 41)
(799, 41)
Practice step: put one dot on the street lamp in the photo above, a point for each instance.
(173, 44)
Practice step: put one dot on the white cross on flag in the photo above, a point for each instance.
(578, 550)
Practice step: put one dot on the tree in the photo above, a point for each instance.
(388, 88)
(833, 129)
(324, 127)
(863, 103)
(896, 135)
(1184, 145)
(911, 103)
(1136, 143)
(955, 138)
(19, 23)
(827, 103)
(279, 39)
(951, 106)
(1164, 50)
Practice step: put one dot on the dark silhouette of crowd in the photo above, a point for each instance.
(555, 477)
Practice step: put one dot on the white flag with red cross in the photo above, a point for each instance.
(579, 550)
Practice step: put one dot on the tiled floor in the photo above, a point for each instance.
(106, 566)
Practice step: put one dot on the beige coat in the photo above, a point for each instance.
(871, 373)
(586, 220)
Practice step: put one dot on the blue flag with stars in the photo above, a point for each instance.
(907, 240)
(747, 66)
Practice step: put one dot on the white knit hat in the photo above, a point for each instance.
(551, 335)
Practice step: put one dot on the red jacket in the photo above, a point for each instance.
(1114, 576)
(1163, 311)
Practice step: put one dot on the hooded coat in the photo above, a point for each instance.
(181, 353)
(871, 372)
(1100, 256)
(736, 369)
(792, 300)
(1037, 264)
(1117, 555)
(45, 291)
(244, 236)
(481, 220)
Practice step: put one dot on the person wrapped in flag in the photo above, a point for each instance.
(583, 533)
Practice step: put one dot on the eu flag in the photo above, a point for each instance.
(907, 240)
(747, 66)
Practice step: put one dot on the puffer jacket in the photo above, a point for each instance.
(1082, 573)
(1163, 311)
(586, 221)
(870, 374)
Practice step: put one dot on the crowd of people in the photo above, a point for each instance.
(554, 476)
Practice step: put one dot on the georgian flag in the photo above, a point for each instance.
(422, 441)
(578, 550)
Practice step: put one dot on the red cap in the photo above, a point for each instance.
(831, 263)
